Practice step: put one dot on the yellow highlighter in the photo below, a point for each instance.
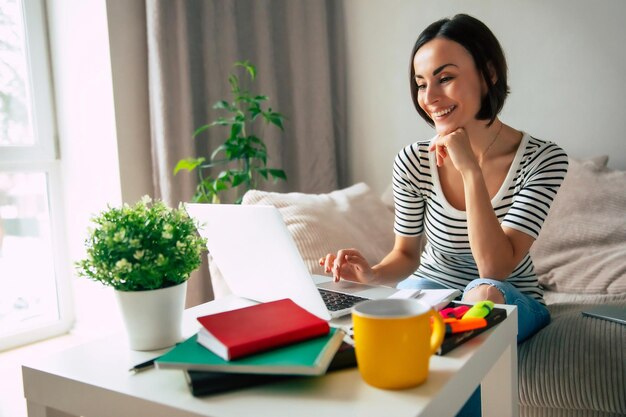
(479, 310)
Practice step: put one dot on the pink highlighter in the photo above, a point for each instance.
(454, 312)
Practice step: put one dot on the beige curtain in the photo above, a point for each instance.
(298, 48)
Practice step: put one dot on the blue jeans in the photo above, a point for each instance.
(532, 316)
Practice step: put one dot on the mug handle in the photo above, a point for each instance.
(438, 331)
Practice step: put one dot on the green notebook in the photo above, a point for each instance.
(310, 357)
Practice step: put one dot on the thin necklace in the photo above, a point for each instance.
(482, 156)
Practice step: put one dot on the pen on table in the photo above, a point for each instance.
(143, 365)
(147, 364)
(406, 293)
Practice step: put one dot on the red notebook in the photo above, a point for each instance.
(236, 333)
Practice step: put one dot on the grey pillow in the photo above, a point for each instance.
(582, 245)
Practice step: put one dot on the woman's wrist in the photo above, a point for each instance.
(471, 172)
(380, 276)
(375, 276)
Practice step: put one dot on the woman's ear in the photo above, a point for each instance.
(493, 77)
(492, 73)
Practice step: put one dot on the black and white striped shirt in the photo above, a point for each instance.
(522, 203)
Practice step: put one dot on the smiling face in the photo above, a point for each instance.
(449, 86)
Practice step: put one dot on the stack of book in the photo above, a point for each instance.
(257, 344)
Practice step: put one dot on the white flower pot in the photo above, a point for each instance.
(153, 318)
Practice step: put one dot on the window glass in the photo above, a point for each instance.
(27, 279)
(34, 276)
(15, 117)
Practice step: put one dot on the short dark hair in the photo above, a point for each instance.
(488, 56)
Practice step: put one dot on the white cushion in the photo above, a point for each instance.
(354, 217)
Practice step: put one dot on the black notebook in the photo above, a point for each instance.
(205, 383)
(451, 341)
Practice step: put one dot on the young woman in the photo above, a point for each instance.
(479, 191)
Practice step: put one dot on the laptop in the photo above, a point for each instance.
(259, 260)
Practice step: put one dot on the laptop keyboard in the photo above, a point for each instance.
(336, 301)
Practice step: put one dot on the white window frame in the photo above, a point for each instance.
(44, 157)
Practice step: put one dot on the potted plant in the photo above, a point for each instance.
(146, 252)
(243, 154)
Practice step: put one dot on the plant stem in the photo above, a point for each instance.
(246, 165)
(200, 182)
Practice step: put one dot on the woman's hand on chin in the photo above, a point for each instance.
(455, 145)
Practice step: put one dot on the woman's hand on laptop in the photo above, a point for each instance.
(348, 264)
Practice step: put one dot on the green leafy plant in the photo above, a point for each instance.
(142, 247)
(243, 155)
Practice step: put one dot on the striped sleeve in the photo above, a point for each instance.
(544, 171)
(408, 199)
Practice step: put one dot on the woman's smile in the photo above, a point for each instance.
(442, 113)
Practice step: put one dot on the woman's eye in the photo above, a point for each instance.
(421, 87)
(445, 79)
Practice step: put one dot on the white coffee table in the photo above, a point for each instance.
(93, 381)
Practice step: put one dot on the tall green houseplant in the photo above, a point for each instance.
(243, 155)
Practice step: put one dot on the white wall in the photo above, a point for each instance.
(81, 66)
(99, 65)
(567, 66)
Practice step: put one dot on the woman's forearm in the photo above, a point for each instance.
(491, 247)
(400, 263)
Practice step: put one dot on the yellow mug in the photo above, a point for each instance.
(393, 341)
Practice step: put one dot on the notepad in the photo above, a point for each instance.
(438, 298)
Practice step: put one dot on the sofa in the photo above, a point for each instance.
(574, 367)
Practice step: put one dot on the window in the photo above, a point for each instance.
(34, 276)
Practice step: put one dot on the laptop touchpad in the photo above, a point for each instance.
(356, 288)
